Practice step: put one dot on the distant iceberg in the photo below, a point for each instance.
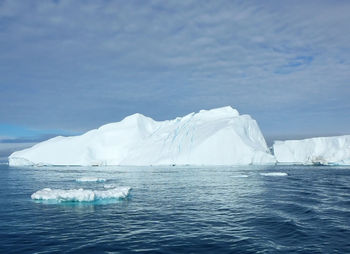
(210, 137)
(80, 195)
(317, 151)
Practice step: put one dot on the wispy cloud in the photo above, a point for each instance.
(77, 64)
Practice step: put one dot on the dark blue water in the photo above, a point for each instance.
(180, 210)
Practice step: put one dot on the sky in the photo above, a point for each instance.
(68, 66)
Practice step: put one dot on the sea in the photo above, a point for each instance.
(178, 209)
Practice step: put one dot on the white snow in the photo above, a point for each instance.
(274, 174)
(90, 179)
(321, 150)
(80, 195)
(210, 137)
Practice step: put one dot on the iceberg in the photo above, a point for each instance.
(219, 136)
(80, 195)
(317, 151)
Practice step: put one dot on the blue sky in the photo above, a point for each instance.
(70, 66)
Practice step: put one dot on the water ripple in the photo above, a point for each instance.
(180, 209)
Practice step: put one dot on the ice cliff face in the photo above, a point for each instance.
(210, 137)
(322, 150)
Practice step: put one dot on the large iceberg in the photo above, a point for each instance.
(210, 137)
(321, 150)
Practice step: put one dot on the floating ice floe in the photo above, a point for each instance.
(80, 195)
(108, 186)
(240, 176)
(274, 174)
(219, 136)
(90, 179)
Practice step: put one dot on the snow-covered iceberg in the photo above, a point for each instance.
(321, 150)
(210, 137)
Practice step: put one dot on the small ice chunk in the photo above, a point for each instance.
(108, 186)
(80, 195)
(90, 179)
(240, 176)
(274, 174)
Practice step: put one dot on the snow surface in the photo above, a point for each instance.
(321, 150)
(210, 137)
(90, 179)
(80, 195)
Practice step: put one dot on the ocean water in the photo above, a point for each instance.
(248, 209)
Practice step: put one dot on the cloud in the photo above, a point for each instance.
(75, 65)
